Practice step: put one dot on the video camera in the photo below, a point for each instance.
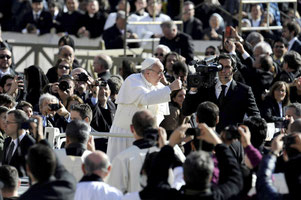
(205, 75)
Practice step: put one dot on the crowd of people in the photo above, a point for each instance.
(185, 129)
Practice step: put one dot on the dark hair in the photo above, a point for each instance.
(266, 62)
(277, 85)
(198, 168)
(4, 79)
(36, 81)
(22, 104)
(115, 83)
(61, 60)
(293, 26)
(84, 111)
(281, 40)
(230, 57)
(66, 40)
(20, 115)
(77, 131)
(296, 106)
(258, 129)
(178, 67)
(41, 162)
(6, 99)
(170, 53)
(9, 177)
(74, 97)
(293, 60)
(208, 112)
(143, 120)
(173, 94)
(128, 68)
(3, 109)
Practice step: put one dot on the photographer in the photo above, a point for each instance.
(13, 86)
(291, 148)
(82, 82)
(198, 168)
(53, 112)
(234, 99)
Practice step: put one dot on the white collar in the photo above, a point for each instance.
(219, 84)
(20, 137)
(291, 42)
(144, 79)
(38, 13)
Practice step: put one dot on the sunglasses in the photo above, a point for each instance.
(63, 67)
(281, 47)
(2, 56)
(208, 53)
(158, 54)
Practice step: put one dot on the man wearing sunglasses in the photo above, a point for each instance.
(6, 62)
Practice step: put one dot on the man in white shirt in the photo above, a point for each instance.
(138, 92)
(152, 31)
(126, 166)
(96, 167)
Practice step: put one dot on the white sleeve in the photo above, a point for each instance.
(118, 176)
(155, 96)
(178, 178)
(131, 196)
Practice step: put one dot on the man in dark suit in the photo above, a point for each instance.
(192, 26)
(68, 21)
(51, 180)
(114, 35)
(92, 23)
(18, 142)
(37, 21)
(234, 99)
(290, 32)
(177, 41)
(103, 112)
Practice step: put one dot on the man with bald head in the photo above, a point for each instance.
(67, 52)
(95, 168)
(102, 64)
(140, 91)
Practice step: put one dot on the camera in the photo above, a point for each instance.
(64, 85)
(26, 124)
(83, 77)
(101, 83)
(282, 124)
(205, 75)
(54, 107)
(193, 131)
(231, 132)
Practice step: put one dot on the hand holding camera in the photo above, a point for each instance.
(245, 135)
(208, 134)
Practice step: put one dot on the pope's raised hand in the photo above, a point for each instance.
(175, 85)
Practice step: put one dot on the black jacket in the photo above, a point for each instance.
(114, 39)
(18, 160)
(61, 186)
(230, 179)
(182, 44)
(44, 23)
(196, 31)
(270, 110)
(94, 25)
(239, 101)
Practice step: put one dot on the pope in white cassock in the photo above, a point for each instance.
(140, 91)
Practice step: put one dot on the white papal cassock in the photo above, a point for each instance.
(136, 94)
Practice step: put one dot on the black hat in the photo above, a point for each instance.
(36, 1)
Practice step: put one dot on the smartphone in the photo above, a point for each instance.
(228, 32)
